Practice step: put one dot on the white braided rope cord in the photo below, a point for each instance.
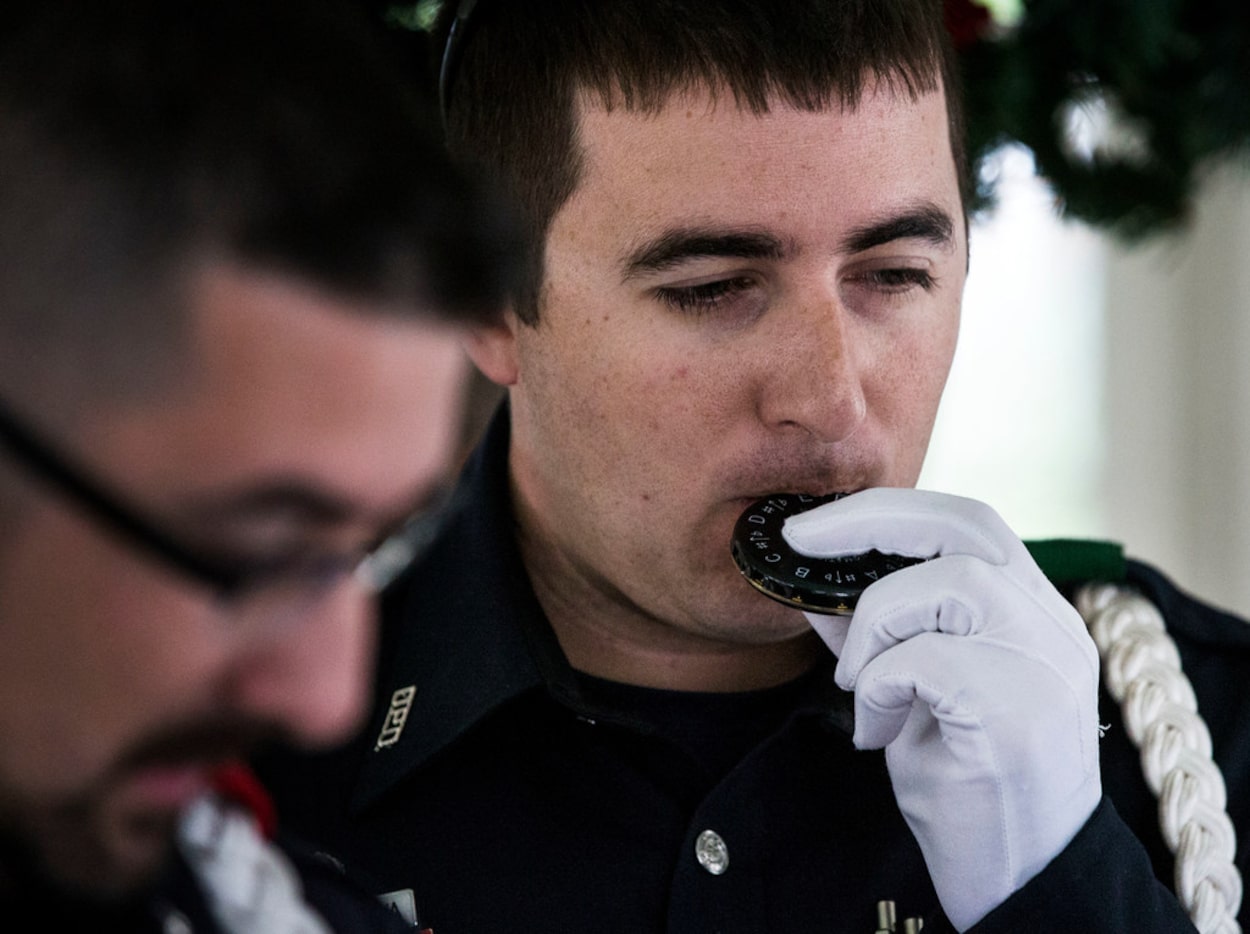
(1142, 672)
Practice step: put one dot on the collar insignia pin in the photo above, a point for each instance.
(396, 717)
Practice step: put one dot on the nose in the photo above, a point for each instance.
(311, 676)
(815, 383)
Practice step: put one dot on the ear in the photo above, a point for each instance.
(493, 349)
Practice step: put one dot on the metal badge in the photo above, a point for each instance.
(830, 586)
(402, 902)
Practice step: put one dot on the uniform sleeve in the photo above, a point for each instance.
(1102, 881)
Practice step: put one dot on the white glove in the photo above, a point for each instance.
(977, 677)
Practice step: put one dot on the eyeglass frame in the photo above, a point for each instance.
(375, 567)
(457, 36)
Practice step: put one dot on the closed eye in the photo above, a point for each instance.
(897, 279)
(704, 297)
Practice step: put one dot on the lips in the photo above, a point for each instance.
(169, 786)
(797, 467)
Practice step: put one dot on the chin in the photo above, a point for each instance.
(746, 616)
(143, 848)
(106, 857)
(779, 627)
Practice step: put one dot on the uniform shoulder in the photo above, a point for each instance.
(1187, 615)
(1070, 562)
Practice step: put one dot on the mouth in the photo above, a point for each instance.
(169, 786)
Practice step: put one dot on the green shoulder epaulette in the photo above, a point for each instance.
(1074, 560)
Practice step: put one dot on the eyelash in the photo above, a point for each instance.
(700, 299)
(899, 279)
(708, 296)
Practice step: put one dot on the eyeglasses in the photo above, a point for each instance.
(271, 590)
(456, 36)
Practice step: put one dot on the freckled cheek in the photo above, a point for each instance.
(686, 409)
(905, 388)
(682, 387)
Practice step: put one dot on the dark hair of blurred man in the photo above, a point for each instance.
(234, 265)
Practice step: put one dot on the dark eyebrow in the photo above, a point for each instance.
(678, 245)
(924, 222)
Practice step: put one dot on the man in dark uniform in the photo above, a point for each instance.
(748, 256)
(234, 267)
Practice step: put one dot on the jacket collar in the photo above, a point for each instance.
(462, 631)
(463, 634)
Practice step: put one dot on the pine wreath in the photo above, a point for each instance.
(1171, 77)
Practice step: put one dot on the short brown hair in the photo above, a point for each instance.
(515, 69)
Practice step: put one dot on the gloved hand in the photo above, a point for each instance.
(977, 677)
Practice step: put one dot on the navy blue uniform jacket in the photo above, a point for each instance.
(501, 792)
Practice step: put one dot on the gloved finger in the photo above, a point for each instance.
(975, 687)
(899, 685)
(914, 523)
(964, 596)
(943, 595)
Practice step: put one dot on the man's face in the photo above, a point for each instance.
(304, 427)
(734, 305)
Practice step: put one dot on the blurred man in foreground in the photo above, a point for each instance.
(233, 267)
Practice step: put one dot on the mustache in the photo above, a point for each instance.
(800, 471)
(210, 739)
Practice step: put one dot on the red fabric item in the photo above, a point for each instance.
(236, 783)
(966, 21)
